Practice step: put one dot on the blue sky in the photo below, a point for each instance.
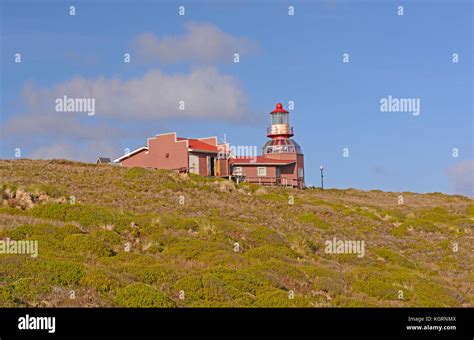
(282, 58)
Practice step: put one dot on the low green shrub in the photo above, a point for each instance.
(219, 257)
(432, 294)
(11, 211)
(191, 286)
(311, 218)
(85, 215)
(134, 173)
(393, 257)
(273, 197)
(278, 273)
(366, 213)
(156, 275)
(49, 270)
(245, 281)
(7, 298)
(142, 295)
(302, 244)
(270, 251)
(30, 289)
(420, 224)
(470, 210)
(21, 232)
(82, 245)
(50, 231)
(376, 288)
(264, 235)
(437, 214)
(191, 248)
(215, 289)
(400, 231)
(280, 298)
(49, 189)
(99, 280)
(393, 215)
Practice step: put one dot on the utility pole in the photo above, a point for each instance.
(322, 176)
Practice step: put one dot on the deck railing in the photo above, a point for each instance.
(262, 180)
(277, 131)
(271, 181)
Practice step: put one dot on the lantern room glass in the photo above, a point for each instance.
(279, 118)
(281, 145)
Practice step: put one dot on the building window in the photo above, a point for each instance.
(300, 172)
(262, 171)
(237, 171)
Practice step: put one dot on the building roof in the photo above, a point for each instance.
(281, 145)
(260, 160)
(103, 160)
(279, 109)
(198, 145)
(194, 145)
(130, 154)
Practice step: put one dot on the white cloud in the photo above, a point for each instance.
(49, 136)
(124, 107)
(202, 43)
(205, 92)
(462, 177)
(30, 125)
(154, 97)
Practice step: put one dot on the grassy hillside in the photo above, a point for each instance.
(111, 236)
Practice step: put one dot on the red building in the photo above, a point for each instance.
(281, 162)
(166, 151)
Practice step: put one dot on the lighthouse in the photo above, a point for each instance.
(280, 124)
(282, 160)
(280, 133)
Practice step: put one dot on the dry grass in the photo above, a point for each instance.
(190, 247)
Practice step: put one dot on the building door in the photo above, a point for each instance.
(193, 164)
(210, 166)
(278, 175)
(218, 167)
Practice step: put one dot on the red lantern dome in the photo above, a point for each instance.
(280, 126)
(279, 109)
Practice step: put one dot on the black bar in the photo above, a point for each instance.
(344, 323)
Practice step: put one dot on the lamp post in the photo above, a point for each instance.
(322, 183)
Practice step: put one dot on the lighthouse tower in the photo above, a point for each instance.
(280, 132)
(280, 125)
(282, 146)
